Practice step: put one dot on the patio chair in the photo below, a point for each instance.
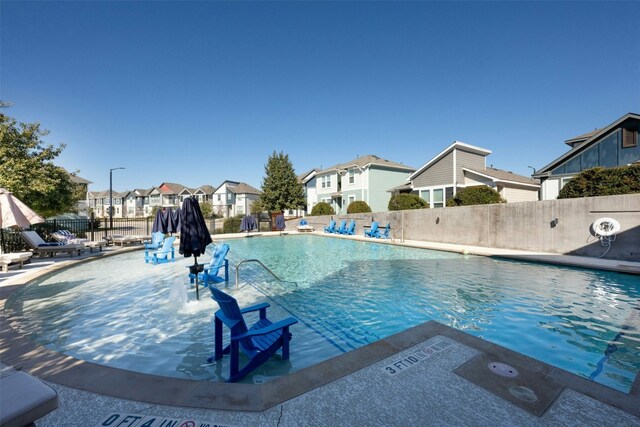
(24, 398)
(342, 228)
(384, 234)
(350, 229)
(162, 255)
(372, 231)
(258, 343)
(331, 227)
(40, 247)
(156, 241)
(210, 273)
(304, 226)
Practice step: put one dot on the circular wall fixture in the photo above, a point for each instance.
(503, 369)
(523, 393)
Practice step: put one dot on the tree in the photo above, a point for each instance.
(358, 206)
(256, 207)
(479, 195)
(405, 201)
(28, 171)
(280, 187)
(207, 209)
(603, 182)
(322, 208)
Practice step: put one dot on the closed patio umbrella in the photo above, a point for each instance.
(160, 222)
(280, 223)
(14, 213)
(173, 220)
(194, 236)
(248, 223)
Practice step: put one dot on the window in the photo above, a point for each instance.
(219, 197)
(629, 138)
(351, 199)
(590, 158)
(326, 181)
(352, 176)
(609, 151)
(424, 195)
(438, 198)
(563, 181)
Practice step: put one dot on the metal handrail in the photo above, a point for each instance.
(259, 262)
(394, 234)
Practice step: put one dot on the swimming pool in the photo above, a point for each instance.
(121, 312)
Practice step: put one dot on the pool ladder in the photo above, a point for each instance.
(263, 266)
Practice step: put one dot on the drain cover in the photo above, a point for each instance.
(523, 393)
(503, 369)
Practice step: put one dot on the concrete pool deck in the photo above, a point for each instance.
(440, 378)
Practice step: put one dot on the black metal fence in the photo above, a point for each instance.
(98, 229)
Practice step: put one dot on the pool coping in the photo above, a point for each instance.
(24, 354)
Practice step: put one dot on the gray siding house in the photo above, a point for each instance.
(462, 165)
(612, 146)
(366, 178)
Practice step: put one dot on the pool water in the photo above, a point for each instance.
(121, 312)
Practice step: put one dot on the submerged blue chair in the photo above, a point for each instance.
(372, 231)
(258, 343)
(165, 254)
(342, 228)
(350, 229)
(331, 227)
(210, 273)
(157, 239)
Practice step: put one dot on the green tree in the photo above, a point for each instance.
(256, 207)
(405, 201)
(358, 206)
(280, 187)
(322, 208)
(207, 209)
(28, 171)
(479, 195)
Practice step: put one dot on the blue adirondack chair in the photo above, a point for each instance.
(210, 273)
(165, 254)
(258, 343)
(384, 234)
(157, 239)
(331, 227)
(350, 229)
(372, 231)
(342, 228)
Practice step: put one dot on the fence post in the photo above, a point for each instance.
(92, 226)
(147, 224)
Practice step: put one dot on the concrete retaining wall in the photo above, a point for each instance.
(557, 226)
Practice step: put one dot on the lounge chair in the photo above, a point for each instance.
(258, 343)
(331, 227)
(40, 247)
(350, 229)
(67, 237)
(304, 226)
(384, 234)
(342, 228)
(162, 255)
(14, 258)
(24, 398)
(210, 273)
(126, 239)
(372, 231)
(157, 239)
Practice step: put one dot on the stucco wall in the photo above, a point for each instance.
(524, 226)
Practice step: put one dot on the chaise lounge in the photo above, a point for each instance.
(40, 247)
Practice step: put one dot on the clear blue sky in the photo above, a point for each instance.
(200, 92)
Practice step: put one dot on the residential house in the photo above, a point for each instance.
(612, 146)
(233, 198)
(99, 202)
(462, 165)
(135, 203)
(204, 194)
(309, 188)
(366, 178)
(82, 205)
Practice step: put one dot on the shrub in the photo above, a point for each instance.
(358, 206)
(322, 208)
(231, 225)
(480, 195)
(404, 201)
(603, 182)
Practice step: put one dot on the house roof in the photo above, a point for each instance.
(405, 186)
(580, 138)
(305, 177)
(597, 134)
(368, 160)
(170, 188)
(456, 145)
(207, 189)
(499, 175)
(76, 178)
(243, 188)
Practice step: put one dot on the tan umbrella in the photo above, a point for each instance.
(14, 213)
